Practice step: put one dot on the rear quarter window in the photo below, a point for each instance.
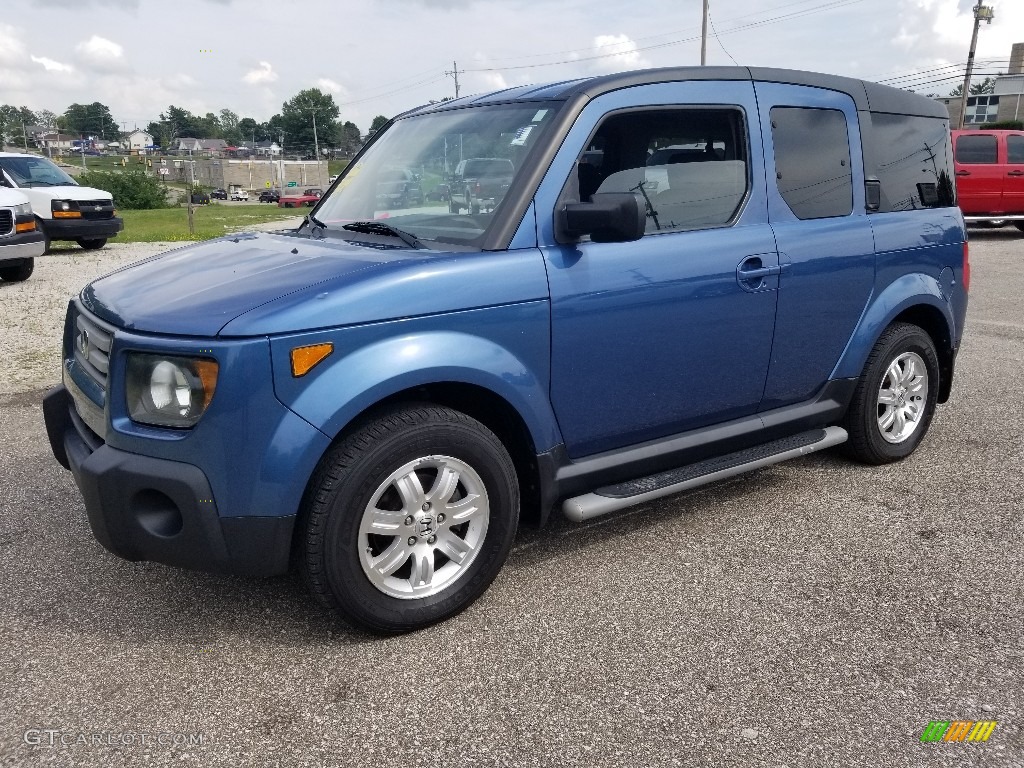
(910, 157)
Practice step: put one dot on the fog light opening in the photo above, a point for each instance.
(157, 514)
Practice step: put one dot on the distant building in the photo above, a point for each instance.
(1004, 104)
(139, 140)
(202, 146)
(55, 142)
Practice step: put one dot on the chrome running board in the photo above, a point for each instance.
(615, 497)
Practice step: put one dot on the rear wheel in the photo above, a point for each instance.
(409, 519)
(1019, 225)
(16, 273)
(92, 244)
(895, 397)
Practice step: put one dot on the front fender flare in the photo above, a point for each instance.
(369, 374)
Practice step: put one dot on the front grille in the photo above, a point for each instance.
(6, 221)
(91, 347)
(96, 209)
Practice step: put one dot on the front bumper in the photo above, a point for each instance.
(81, 229)
(145, 508)
(24, 246)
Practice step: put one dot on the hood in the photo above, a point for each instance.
(68, 192)
(263, 284)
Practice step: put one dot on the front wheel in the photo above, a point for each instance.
(1019, 225)
(895, 397)
(409, 519)
(19, 272)
(92, 245)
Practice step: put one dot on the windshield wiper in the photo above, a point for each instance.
(316, 227)
(378, 227)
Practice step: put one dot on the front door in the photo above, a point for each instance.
(1013, 181)
(674, 331)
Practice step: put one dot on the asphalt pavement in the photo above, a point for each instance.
(814, 613)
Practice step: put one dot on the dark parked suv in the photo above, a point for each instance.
(381, 398)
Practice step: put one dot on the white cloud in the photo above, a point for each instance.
(12, 50)
(331, 86)
(52, 66)
(619, 52)
(264, 73)
(101, 54)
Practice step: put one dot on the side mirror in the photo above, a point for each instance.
(610, 217)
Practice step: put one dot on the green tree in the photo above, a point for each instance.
(229, 130)
(90, 120)
(131, 189)
(298, 115)
(378, 122)
(248, 129)
(13, 121)
(986, 86)
(351, 138)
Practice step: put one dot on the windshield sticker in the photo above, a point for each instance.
(540, 115)
(521, 136)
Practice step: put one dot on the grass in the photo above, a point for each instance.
(171, 224)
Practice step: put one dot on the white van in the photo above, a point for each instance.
(20, 240)
(63, 209)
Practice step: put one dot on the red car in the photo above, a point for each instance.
(308, 198)
(990, 176)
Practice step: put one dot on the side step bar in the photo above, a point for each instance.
(615, 497)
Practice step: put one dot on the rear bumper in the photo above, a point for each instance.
(23, 246)
(143, 508)
(87, 229)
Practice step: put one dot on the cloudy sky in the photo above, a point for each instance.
(385, 56)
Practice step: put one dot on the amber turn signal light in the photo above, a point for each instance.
(67, 214)
(304, 359)
(25, 226)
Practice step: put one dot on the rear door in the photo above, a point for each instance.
(826, 248)
(1013, 181)
(979, 176)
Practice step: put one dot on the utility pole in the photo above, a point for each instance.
(191, 191)
(981, 13)
(455, 73)
(24, 135)
(704, 36)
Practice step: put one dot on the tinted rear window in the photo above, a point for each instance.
(975, 149)
(910, 156)
(812, 160)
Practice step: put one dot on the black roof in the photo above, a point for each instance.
(866, 95)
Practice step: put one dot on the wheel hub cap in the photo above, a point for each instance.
(902, 397)
(423, 527)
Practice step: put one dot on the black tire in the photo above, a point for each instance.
(92, 244)
(1019, 225)
(454, 207)
(866, 443)
(46, 237)
(345, 483)
(16, 273)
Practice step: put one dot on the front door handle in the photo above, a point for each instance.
(963, 173)
(1015, 173)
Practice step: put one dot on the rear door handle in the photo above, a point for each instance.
(963, 173)
(1015, 173)
(753, 274)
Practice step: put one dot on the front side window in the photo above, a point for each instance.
(689, 165)
(439, 179)
(812, 161)
(33, 171)
(975, 149)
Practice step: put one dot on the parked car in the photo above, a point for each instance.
(398, 188)
(219, 194)
(439, 192)
(20, 240)
(990, 176)
(63, 210)
(240, 195)
(309, 198)
(200, 198)
(480, 183)
(382, 400)
(270, 196)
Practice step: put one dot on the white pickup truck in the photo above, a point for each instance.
(20, 240)
(63, 209)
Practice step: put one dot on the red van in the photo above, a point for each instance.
(990, 175)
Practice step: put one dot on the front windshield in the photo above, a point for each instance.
(440, 177)
(33, 171)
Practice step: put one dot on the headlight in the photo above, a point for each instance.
(24, 209)
(65, 209)
(168, 391)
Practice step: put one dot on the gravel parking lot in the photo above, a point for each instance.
(814, 613)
